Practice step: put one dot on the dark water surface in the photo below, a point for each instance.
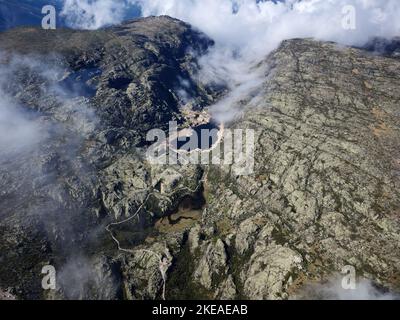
(204, 137)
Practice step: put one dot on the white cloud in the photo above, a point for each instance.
(245, 31)
(332, 290)
(17, 131)
(254, 26)
(21, 129)
(89, 14)
(261, 26)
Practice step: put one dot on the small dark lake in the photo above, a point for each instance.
(203, 137)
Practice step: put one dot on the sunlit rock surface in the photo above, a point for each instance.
(324, 193)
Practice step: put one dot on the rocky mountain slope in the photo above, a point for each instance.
(83, 198)
(325, 191)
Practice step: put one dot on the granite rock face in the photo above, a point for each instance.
(325, 189)
(88, 99)
(82, 197)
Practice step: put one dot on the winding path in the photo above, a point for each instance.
(165, 261)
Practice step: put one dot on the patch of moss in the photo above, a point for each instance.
(279, 236)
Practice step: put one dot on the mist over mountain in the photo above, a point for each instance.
(78, 191)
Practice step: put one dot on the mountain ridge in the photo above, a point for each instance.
(323, 194)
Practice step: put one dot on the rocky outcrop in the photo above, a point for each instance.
(324, 192)
(90, 98)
